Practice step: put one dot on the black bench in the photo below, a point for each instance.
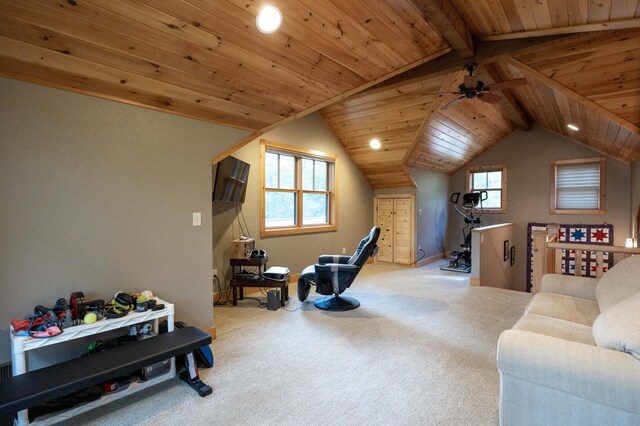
(26, 390)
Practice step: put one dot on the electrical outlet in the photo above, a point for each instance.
(197, 219)
(215, 272)
(419, 247)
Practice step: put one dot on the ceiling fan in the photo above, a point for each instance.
(472, 88)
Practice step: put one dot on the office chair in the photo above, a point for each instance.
(333, 274)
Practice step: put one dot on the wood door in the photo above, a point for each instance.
(403, 231)
(394, 216)
(385, 222)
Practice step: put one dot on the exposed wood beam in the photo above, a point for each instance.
(587, 103)
(513, 107)
(569, 29)
(484, 52)
(443, 16)
(435, 105)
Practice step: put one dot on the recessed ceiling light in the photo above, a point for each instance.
(269, 19)
(375, 143)
(573, 127)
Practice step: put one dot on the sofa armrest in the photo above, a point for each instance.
(590, 372)
(330, 258)
(570, 285)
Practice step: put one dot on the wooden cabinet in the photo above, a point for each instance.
(396, 219)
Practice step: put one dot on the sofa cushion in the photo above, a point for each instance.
(619, 327)
(569, 308)
(619, 283)
(556, 327)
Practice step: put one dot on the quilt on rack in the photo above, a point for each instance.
(597, 234)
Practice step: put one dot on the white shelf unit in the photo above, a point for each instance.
(20, 345)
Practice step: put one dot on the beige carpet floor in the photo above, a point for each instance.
(420, 350)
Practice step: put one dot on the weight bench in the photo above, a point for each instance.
(26, 390)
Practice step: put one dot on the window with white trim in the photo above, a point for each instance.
(493, 181)
(578, 186)
(298, 192)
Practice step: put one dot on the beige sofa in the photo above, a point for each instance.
(574, 356)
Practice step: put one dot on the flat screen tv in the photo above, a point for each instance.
(230, 184)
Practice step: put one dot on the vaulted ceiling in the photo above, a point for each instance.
(371, 67)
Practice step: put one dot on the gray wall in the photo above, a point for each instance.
(635, 200)
(432, 196)
(528, 156)
(98, 196)
(355, 205)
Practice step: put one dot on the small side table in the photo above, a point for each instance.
(239, 280)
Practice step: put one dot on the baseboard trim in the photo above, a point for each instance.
(429, 260)
(475, 281)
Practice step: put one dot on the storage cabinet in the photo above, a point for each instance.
(395, 217)
(21, 345)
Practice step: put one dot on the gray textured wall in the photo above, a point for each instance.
(528, 156)
(635, 199)
(432, 196)
(355, 205)
(98, 196)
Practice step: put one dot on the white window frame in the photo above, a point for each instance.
(299, 154)
(503, 188)
(553, 208)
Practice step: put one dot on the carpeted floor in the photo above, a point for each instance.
(420, 350)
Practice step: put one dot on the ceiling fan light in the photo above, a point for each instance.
(375, 143)
(269, 19)
(573, 127)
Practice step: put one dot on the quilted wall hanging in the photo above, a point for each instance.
(599, 234)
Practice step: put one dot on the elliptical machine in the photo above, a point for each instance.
(460, 260)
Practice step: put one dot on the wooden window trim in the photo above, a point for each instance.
(602, 161)
(298, 152)
(494, 167)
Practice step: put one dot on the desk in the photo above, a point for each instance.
(239, 281)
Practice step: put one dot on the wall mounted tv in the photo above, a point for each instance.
(230, 185)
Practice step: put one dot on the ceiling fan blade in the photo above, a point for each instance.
(489, 98)
(442, 93)
(453, 102)
(507, 84)
(470, 81)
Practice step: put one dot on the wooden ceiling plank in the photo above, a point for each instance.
(577, 11)
(559, 13)
(623, 9)
(599, 10)
(541, 14)
(64, 62)
(32, 73)
(570, 29)
(526, 15)
(167, 24)
(513, 107)
(571, 94)
(54, 41)
(85, 19)
(412, 25)
(338, 39)
(434, 106)
(444, 17)
(378, 27)
(287, 45)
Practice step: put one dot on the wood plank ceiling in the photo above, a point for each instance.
(591, 79)
(370, 66)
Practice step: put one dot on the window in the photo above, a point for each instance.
(578, 186)
(493, 180)
(298, 193)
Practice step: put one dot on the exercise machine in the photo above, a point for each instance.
(460, 260)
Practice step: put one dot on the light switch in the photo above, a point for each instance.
(197, 219)
(419, 212)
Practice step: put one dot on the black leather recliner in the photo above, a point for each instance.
(334, 274)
